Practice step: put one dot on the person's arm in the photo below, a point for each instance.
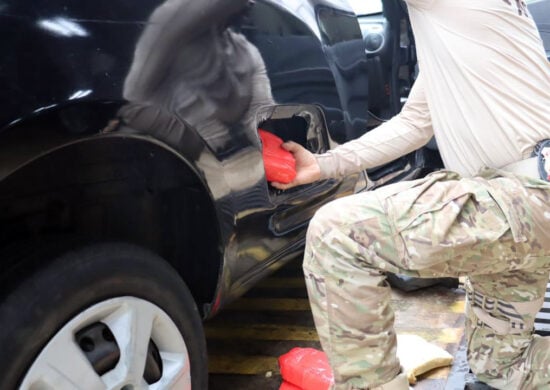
(404, 133)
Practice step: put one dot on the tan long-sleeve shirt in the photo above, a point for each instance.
(483, 91)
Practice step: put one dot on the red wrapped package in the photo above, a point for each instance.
(306, 368)
(279, 163)
(289, 386)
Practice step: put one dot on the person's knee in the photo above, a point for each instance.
(497, 359)
(528, 370)
(344, 212)
(326, 218)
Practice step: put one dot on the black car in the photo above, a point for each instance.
(133, 192)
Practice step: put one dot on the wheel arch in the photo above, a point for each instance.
(118, 187)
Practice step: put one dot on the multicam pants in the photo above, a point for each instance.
(494, 228)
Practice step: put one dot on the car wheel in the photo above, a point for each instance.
(108, 316)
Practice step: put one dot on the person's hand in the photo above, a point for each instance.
(307, 169)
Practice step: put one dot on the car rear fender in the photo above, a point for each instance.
(112, 184)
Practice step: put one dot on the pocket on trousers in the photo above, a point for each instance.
(448, 220)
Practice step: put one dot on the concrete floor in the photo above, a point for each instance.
(246, 339)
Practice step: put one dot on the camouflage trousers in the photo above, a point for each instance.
(494, 228)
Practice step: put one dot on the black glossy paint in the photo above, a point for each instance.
(86, 81)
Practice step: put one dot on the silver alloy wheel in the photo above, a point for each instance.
(133, 322)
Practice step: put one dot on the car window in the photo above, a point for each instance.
(366, 7)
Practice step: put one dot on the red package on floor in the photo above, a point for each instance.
(279, 163)
(307, 368)
(289, 386)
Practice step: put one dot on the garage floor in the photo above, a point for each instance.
(245, 340)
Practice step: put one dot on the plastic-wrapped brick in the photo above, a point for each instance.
(279, 163)
(306, 368)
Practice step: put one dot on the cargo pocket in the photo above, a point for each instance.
(448, 220)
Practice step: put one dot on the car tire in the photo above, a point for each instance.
(72, 317)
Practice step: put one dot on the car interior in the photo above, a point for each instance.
(391, 69)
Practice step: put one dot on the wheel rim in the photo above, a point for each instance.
(134, 323)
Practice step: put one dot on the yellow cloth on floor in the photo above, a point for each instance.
(418, 356)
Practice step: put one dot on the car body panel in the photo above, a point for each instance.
(198, 89)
